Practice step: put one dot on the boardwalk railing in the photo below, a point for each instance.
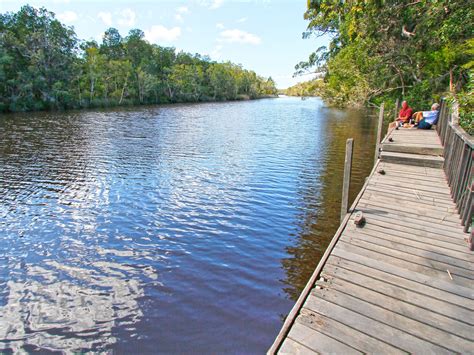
(458, 156)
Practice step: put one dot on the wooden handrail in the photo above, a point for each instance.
(458, 157)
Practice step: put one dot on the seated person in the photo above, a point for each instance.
(405, 114)
(425, 119)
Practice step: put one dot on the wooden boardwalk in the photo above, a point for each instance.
(404, 282)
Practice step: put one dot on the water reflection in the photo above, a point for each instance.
(320, 194)
(60, 307)
(165, 229)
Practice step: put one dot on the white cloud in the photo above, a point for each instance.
(216, 4)
(127, 17)
(220, 26)
(211, 4)
(67, 16)
(239, 36)
(106, 17)
(240, 20)
(161, 33)
(182, 10)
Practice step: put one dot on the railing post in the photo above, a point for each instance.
(455, 113)
(347, 178)
(379, 132)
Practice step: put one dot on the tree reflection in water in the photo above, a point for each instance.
(321, 195)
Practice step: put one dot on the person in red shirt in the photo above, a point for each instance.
(405, 114)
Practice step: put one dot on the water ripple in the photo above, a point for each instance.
(164, 229)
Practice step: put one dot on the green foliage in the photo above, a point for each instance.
(466, 106)
(44, 66)
(306, 88)
(381, 50)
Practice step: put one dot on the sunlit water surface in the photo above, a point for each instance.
(186, 228)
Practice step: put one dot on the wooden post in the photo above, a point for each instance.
(397, 102)
(347, 178)
(379, 132)
(471, 240)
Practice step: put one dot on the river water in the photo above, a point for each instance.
(173, 229)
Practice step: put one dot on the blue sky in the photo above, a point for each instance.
(262, 35)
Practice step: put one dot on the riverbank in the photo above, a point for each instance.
(130, 104)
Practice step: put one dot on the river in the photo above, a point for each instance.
(168, 229)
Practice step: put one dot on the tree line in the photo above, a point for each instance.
(43, 65)
(387, 49)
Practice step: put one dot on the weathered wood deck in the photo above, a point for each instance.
(404, 282)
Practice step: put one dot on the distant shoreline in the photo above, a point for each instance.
(131, 105)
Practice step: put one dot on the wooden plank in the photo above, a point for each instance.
(427, 251)
(422, 207)
(406, 207)
(317, 341)
(430, 334)
(397, 139)
(413, 178)
(400, 139)
(407, 273)
(371, 327)
(413, 175)
(428, 190)
(407, 254)
(399, 281)
(400, 263)
(414, 191)
(439, 241)
(404, 138)
(433, 203)
(410, 148)
(413, 182)
(412, 159)
(461, 314)
(443, 249)
(418, 169)
(417, 216)
(422, 223)
(416, 227)
(413, 136)
(347, 178)
(292, 347)
(404, 309)
(348, 335)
